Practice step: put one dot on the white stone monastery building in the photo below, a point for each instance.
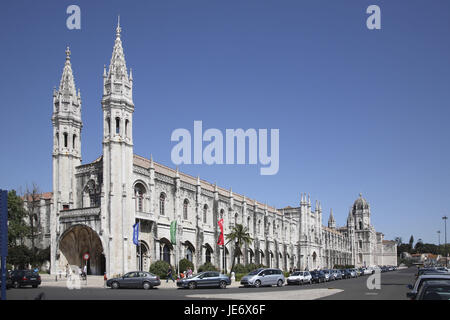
(94, 206)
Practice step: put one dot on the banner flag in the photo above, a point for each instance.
(173, 232)
(136, 233)
(220, 241)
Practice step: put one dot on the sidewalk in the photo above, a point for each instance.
(97, 282)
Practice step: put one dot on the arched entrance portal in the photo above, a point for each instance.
(77, 241)
(142, 256)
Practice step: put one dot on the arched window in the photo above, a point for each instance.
(360, 225)
(235, 218)
(185, 209)
(108, 125)
(208, 254)
(65, 139)
(73, 141)
(126, 127)
(221, 213)
(162, 200)
(139, 191)
(205, 212)
(117, 125)
(258, 231)
(189, 254)
(166, 254)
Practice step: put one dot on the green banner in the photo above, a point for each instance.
(173, 232)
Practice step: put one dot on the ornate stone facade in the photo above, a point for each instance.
(95, 205)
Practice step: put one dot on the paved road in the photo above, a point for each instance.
(393, 286)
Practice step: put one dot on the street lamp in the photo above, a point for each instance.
(445, 234)
(439, 238)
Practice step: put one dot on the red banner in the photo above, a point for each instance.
(220, 242)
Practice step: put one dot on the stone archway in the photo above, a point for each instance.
(75, 242)
(143, 256)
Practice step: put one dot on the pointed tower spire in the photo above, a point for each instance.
(117, 66)
(67, 83)
(331, 221)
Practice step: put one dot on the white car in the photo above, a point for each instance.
(299, 277)
(368, 271)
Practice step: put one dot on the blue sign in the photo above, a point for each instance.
(136, 233)
(3, 238)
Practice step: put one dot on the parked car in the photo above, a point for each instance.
(434, 290)
(135, 279)
(423, 279)
(348, 273)
(205, 279)
(263, 277)
(22, 278)
(328, 275)
(317, 276)
(299, 277)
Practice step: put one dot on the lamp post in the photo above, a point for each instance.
(439, 237)
(445, 236)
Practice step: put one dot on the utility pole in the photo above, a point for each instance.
(445, 236)
(439, 237)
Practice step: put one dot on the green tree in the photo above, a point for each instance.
(17, 227)
(239, 235)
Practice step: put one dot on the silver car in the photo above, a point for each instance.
(263, 277)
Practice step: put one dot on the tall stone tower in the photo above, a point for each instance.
(67, 124)
(118, 108)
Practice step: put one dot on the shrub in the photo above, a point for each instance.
(208, 266)
(240, 268)
(286, 274)
(160, 269)
(238, 276)
(185, 264)
(252, 266)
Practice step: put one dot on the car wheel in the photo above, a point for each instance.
(16, 284)
(115, 285)
(280, 283)
(192, 285)
(147, 286)
(257, 284)
(223, 285)
(310, 282)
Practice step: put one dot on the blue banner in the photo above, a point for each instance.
(3, 239)
(136, 233)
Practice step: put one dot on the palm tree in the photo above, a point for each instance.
(240, 236)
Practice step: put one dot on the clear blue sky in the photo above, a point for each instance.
(358, 110)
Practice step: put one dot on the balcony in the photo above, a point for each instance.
(82, 213)
(144, 215)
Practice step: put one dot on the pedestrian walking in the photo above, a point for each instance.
(170, 275)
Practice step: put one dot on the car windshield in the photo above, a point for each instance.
(254, 272)
(295, 273)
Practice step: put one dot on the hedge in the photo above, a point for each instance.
(185, 264)
(160, 269)
(208, 266)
